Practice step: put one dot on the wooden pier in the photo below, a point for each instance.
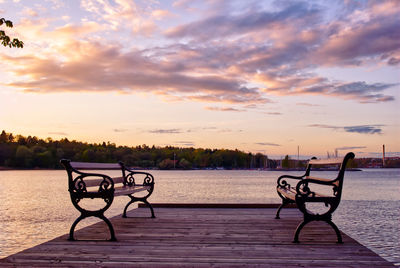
(202, 236)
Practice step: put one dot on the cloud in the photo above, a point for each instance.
(30, 12)
(161, 14)
(347, 148)
(307, 104)
(224, 25)
(351, 44)
(166, 131)
(230, 52)
(359, 90)
(224, 109)
(185, 143)
(126, 73)
(394, 61)
(373, 129)
(324, 126)
(366, 92)
(119, 130)
(363, 129)
(267, 144)
(280, 60)
(58, 133)
(273, 113)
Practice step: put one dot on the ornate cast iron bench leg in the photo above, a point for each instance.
(98, 215)
(151, 208)
(136, 199)
(298, 229)
(310, 218)
(284, 203)
(339, 236)
(71, 231)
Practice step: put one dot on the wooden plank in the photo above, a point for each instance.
(89, 182)
(326, 161)
(202, 236)
(93, 184)
(291, 192)
(214, 205)
(322, 179)
(91, 165)
(124, 190)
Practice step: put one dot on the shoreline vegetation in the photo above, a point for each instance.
(18, 152)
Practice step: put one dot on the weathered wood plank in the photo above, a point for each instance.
(89, 165)
(326, 161)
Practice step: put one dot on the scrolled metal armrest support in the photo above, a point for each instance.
(148, 180)
(78, 191)
(148, 183)
(303, 190)
(283, 183)
(130, 178)
(79, 185)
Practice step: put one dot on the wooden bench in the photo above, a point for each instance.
(304, 193)
(87, 185)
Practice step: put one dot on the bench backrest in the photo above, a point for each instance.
(342, 161)
(88, 165)
(79, 180)
(85, 179)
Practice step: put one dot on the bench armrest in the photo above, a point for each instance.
(282, 182)
(130, 176)
(320, 180)
(303, 189)
(84, 181)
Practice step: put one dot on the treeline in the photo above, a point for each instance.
(17, 151)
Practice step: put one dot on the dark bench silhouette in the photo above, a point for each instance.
(304, 193)
(87, 185)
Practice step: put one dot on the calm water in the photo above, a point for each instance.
(35, 205)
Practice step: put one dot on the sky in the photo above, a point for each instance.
(272, 77)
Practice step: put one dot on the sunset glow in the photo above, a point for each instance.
(259, 76)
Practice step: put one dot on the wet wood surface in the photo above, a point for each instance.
(197, 236)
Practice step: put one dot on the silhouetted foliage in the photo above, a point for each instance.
(32, 152)
(17, 151)
(5, 39)
(285, 162)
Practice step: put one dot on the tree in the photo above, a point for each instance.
(23, 156)
(285, 162)
(166, 164)
(183, 163)
(5, 39)
(3, 137)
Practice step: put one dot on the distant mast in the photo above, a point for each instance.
(298, 153)
(383, 155)
(298, 156)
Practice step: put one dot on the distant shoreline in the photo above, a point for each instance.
(255, 169)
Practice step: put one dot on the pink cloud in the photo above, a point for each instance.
(239, 56)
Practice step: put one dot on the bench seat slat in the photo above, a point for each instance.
(291, 193)
(96, 182)
(326, 161)
(124, 190)
(117, 180)
(323, 179)
(88, 165)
